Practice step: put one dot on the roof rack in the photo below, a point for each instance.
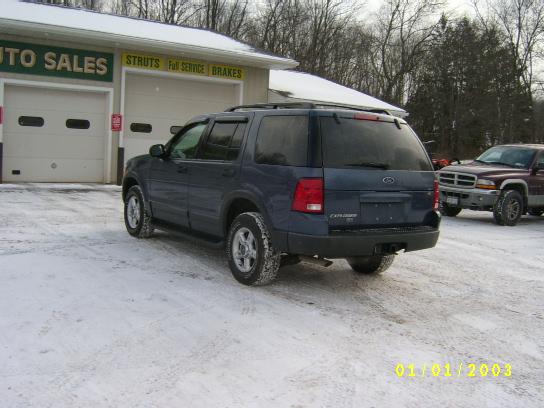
(293, 105)
(303, 105)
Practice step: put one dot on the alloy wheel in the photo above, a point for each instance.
(513, 209)
(133, 212)
(244, 250)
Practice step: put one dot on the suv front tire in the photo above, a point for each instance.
(252, 259)
(137, 220)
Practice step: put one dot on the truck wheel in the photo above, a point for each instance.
(252, 258)
(537, 212)
(450, 211)
(508, 208)
(137, 219)
(371, 264)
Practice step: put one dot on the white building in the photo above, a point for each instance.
(81, 92)
(293, 86)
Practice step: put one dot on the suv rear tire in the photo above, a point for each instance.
(450, 211)
(253, 260)
(137, 219)
(537, 212)
(508, 208)
(371, 264)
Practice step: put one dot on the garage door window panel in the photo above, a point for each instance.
(175, 129)
(141, 128)
(186, 145)
(33, 121)
(82, 124)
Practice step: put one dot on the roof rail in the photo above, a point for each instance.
(283, 105)
(372, 110)
(303, 105)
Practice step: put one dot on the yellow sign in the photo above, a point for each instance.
(225, 71)
(181, 66)
(143, 61)
(187, 67)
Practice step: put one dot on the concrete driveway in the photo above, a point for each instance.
(91, 317)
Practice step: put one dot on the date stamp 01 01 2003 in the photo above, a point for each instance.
(450, 370)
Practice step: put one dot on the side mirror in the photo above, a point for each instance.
(157, 150)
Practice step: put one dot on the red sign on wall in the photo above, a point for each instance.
(116, 122)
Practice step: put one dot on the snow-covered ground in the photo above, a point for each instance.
(90, 317)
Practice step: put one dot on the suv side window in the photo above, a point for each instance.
(540, 160)
(224, 141)
(186, 145)
(283, 140)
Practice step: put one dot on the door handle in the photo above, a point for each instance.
(183, 169)
(229, 172)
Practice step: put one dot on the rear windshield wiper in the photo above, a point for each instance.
(384, 166)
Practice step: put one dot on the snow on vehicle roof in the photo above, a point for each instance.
(300, 85)
(128, 31)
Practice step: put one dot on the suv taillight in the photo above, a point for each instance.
(309, 197)
(436, 197)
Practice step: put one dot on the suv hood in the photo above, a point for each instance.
(480, 169)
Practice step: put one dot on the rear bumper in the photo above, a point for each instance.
(471, 198)
(364, 244)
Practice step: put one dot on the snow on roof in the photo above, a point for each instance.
(300, 85)
(132, 32)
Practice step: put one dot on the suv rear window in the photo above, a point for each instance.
(283, 140)
(370, 144)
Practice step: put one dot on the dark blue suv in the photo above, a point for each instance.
(284, 183)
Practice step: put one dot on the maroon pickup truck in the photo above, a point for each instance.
(507, 180)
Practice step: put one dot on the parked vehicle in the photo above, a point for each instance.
(508, 180)
(284, 183)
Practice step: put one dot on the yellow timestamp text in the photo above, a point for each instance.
(453, 370)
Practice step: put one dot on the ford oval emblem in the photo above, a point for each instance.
(388, 180)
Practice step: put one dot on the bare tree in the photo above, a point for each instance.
(522, 22)
(387, 54)
(174, 11)
(96, 5)
(401, 34)
(122, 7)
(226, 16)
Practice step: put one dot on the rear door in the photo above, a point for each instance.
(215, 172)
(376, 172)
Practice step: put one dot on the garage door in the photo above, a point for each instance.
(154, 105)
(54, 136)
